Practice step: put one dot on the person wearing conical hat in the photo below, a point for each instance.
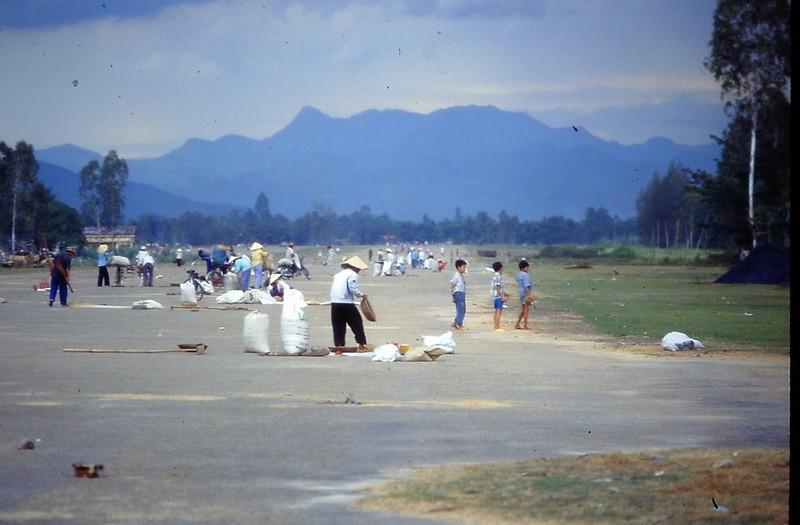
(344, 311)
(277, 287)
(102, 265)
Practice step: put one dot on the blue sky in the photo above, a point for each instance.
(143, 76)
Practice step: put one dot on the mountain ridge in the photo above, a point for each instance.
(475, 158)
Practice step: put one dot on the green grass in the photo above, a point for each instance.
(648, 301)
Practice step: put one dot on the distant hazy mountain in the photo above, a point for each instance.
(407, 165)
(139, 198)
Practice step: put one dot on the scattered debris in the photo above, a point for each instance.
(723, 463)
(28, 445)
(351, 400)
(314, 351)
(87, 470)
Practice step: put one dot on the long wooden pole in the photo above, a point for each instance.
(198, 349)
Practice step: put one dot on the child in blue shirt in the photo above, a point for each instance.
(525, 285)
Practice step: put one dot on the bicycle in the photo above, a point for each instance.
(217, 275)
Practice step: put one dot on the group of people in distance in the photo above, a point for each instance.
(345, 290)
(343, 293)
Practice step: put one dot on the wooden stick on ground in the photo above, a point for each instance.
(196, 349)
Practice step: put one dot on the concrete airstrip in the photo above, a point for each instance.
(229, 437)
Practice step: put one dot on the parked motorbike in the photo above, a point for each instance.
(289, 270)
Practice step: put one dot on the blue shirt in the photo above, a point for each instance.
(524, 282)
(102, 258)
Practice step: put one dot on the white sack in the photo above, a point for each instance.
(444, 341)
(232, 297)
(294, 324)
(231, 281)
(387, 353)
(118, 260)
(188, 293)
(262, 297)
(208, 288)
(675, 341)
(256, 333)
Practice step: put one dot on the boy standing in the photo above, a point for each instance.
(458, 289)
(525, 286)
(499, 294)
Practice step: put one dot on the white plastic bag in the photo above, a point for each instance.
(118, 260)
(147, 304)
(262, 297)
(256, 333)
(232, 297)
(675, 341)
(188, 293)
(208, 288)
(294, 324)
(444, 341)
(387, 353)
(231, 281)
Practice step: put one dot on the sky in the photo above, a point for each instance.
(143, 76)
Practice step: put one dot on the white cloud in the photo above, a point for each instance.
(147, 83)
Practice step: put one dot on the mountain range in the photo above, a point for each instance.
(407, 165)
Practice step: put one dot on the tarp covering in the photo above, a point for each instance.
(763, 265)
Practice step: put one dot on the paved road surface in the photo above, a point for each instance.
(228, 437)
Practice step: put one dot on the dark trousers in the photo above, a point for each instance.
(147, 275)
(342, 316)
(102, 276)
(58, 285)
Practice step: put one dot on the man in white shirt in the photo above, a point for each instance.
(344, 311)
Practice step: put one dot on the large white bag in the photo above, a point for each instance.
(294, 324)
(675, 341)
(387, 353)
(444, 341)
(231, 281)
(232, 297)
(118, 260)
(256, 333)
(188, 293)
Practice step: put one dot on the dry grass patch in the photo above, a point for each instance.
(719, 486)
